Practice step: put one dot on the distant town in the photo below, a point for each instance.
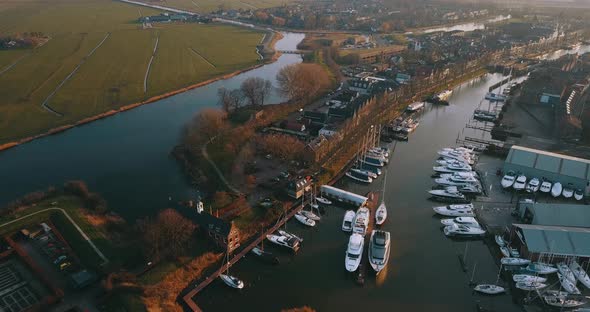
(296, 156)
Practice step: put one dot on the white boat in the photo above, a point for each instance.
(457, 156)
(567, 192)
(459, 175)
(380, 150)
(489, 289)
(519, 278)
(469, 221)
(414, 107)
(304, 220)
(381, 214)
(448, 193)
(379, 250)
(463, 230)
(347, 221)
(323, 201)
(556, 189)
(444, 211)
(563, 301)
(566, 272)
(500, 241)
(231, 281)
(529, 286)
(354, 253)
(513, 252)
(443, 161)
(367, 173)
(444, 95)
(580, 274)
(533, 185)
(284, 241)
(514, 261)
(508, 179)
(545, 187)
(446, 169)
(361, 221)
(310, 215)
(568, 285)
(363, 179)
(290, 235)
(495, 97)
(541, 268)
(505, 251)
(520, 183)
(578, 194)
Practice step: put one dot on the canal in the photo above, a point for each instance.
(125, 157)
(424, 272)
(465, 26)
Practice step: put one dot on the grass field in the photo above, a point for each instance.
(206, 6)
(114, 75)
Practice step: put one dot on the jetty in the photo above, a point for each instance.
(205, 281)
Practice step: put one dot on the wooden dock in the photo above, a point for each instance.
(372, 204)
(188, 297)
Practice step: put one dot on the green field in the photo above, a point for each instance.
(206, 6)
(113, 75)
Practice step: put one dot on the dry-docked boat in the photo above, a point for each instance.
(533, 185)
(580, 274)
(508, 179)
(304, 220)
(568, 285)
(578, 194)
(520, 183)
(284, 241)
(545, 187)
(566, 272)
(449, 193)
(359, 177)
(495, 97)
(444, 211)
(562, 301)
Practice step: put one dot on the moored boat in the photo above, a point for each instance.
(580, 274)
(489, 289)
(519, 183)
(359, 178)
(347, 221)
(567, 284)
(529, 286)
(528, 278)
(304, 220)
(533, 185)
(568, 191)
(508, 179)
(449, 194)
(514, 261)
(379, 250)
(361, 221)
(354, 253)
(231, 281)
(381, 214)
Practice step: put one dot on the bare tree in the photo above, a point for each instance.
(256, 90)
(167, 234)
(302, 82)
(209, 122)
(224, 99)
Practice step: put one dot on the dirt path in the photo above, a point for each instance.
(202, 57)
(147, 71)
(219, 173)
(45, 104)
(7, 68)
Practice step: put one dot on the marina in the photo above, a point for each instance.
(416, 235)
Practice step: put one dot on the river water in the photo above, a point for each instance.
(125, 157)
(466, 26)
(424, 272)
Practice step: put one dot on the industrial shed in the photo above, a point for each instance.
(555, 167)
(558, 241)
(555, 214)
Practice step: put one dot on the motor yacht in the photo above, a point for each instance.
(347, 221)
(354, 253)
(379, 249)
(381, 214)
(520, 183)
(463, 231)
(361, 221)
(533, 185)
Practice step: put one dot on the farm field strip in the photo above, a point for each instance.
(68, 77)
(10, 66)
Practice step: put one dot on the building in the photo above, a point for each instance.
(224, 234)
(296, 188)
(555, 167)
(362, 86)
(343, 196)
(556, 214)
(559, 242)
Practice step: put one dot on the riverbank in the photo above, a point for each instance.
(273, 57)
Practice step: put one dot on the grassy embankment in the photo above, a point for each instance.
(114, 75)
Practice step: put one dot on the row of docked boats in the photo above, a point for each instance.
(369, 164)
(454, 175)
(462, 221)
(519, 182)
(379, 243)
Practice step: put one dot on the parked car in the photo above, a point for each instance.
(60, 259)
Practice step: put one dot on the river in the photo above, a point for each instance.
(424, 273)
(465, 26)
(125, 157)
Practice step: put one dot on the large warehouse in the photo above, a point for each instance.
(552, 166)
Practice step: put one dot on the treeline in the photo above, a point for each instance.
(92, 201)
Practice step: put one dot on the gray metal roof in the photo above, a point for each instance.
(559, 240)
(550, 162)
(561, 214)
